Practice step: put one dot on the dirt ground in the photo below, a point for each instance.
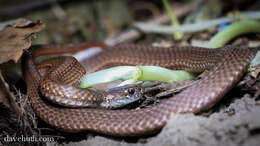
(234, 121)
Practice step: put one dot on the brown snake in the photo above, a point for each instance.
(227, 65)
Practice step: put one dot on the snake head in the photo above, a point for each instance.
(121, 96)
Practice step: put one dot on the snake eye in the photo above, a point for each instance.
(131, 91)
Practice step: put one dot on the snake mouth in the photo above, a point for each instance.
(116, 104)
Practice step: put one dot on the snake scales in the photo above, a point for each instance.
(227, 65)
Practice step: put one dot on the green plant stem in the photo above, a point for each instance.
(177, 35)
(233, 30)
(189, 28)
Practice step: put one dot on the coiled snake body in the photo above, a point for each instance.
(227, 65)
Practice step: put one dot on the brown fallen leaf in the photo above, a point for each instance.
(16, 37)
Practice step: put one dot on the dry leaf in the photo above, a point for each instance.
(16, 37)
